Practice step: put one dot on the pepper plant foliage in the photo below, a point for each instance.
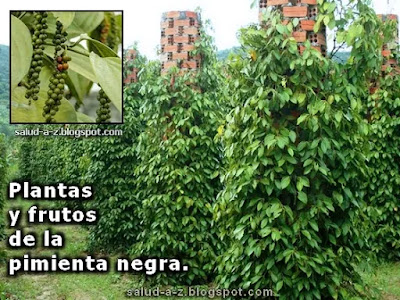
(384, 179)
(176, 174)
(113, 161)
(380, 94)
(36, 51)
(48, 160)
(383, 189)
(294, 165)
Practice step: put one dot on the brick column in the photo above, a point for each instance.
(130, 56)
(387, 51)
(306, 11)
(179, 32)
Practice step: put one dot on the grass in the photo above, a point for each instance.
(384, 281)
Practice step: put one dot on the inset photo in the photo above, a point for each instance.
(66, 67)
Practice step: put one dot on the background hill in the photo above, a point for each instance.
(4, 89)
(4, 72)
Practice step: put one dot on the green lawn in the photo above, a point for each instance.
(384, 282)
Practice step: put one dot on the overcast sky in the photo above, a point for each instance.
(142, 18)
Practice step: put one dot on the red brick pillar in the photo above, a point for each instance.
(388, 49)
(306, 11)
(179, 32)
(130, 56)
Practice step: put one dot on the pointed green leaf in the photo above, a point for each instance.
(108, 71)
(285, 182)
(21, 51)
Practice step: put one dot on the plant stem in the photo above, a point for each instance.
(22, 15)
(25, 84)
(76, 51)
(70, 49)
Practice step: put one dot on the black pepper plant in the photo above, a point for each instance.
(178, 164)
(111, 171)
(291, 200)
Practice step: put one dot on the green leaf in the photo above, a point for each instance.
(82, 118)
(45, 75)
(292, 136)
(279, 286)
(108, 71)
(214, 175)
(85, 22)
(78, 85)
(338, 116)
(301, 98)
(314, 225)
(285, 182)
(303, 197)
(302, 118)
(326, 20)
(65, 18)
(306, 234)
(21, 51)
(276, 235)
(353, 103)
(22, 112)
(281, 28)
(324, 145)
(98, 47)
(317, 26)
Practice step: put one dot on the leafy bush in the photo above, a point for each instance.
(24, 158)
(380, 94)
(111, 172)
(290, 204)
(177, 168)
(384, 176)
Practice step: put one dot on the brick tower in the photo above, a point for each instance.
(179, 32)
(130, 56)
(388, 49)
(306, 11)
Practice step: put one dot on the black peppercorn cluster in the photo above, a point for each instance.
(55, 94)
(59, 37)
(104, 112)
(38, 38)
(57, 81)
